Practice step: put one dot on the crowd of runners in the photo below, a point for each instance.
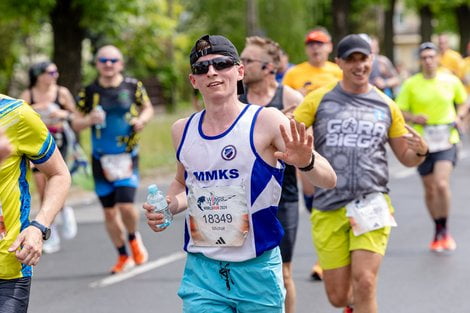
(265, 132)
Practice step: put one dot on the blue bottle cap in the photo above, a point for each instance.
(152, 188)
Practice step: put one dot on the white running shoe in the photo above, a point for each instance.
(52, 245)
(69, 223)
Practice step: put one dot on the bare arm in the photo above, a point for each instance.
(406, 148)
(144, 117)
(420, 119)
(291, 99)
(57, 186)
(299, 152)
(81, 121)
(26, 96)
(278, 138)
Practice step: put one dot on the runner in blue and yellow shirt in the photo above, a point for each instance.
(20, 239)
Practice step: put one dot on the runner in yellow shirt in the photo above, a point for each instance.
(427, 100)
(308, 76)
(317, 71)
(465, 74)
(353, 122)
(449, 59)
(20, 239)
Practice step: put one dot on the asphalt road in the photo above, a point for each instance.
(412, 279)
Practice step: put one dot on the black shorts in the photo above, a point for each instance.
(14, 295)
(119, 195)
(288, 215)
(427, 166)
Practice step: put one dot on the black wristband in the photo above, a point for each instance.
(309, 167)
(423, 155)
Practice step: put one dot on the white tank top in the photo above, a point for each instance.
(229, 166)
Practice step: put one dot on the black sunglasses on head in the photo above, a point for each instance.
(202, 67)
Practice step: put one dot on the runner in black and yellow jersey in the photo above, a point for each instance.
(116, 108)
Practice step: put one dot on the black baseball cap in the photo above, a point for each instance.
(217, 44)
(351, 44)
(427, 45)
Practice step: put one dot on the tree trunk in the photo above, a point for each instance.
(426, 28)
(389, 31)
(170, 57)
(252, 18)
(341, 22)
(68, 37)
(463, 22)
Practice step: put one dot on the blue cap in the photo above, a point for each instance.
(152, 188)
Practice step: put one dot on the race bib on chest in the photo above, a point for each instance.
(437, 137)
(116, 166)
(369, 213)
(218, 216)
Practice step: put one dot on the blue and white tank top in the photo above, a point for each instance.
(230, 160)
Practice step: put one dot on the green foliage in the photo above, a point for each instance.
(443, 12)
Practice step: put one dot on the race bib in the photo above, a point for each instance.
(3, 230)
(437, 137)
(218, 216)
(369, 213)
(116, 166)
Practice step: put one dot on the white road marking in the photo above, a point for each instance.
(114, 279)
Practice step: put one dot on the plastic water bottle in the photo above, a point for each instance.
(102, 125)
(156, 198)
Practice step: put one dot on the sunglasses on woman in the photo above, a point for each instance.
(219, 64)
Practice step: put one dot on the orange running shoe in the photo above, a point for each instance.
(317, 272)
(436, 245)
(448, 243)
(124, 263)
(139, 253)
(348, 309)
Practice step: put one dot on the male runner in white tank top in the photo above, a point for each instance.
(229, 177)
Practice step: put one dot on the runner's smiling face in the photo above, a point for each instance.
(356, 69)
(217, 83)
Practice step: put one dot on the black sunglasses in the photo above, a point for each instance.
(219, 64)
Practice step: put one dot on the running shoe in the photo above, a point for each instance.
(448, 243)
(348, 309)
(52, 245)
(139, 252)
(124, 263)
(317, 272)
(436, 245)
(69, 223)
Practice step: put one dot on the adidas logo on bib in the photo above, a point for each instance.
(220, 241)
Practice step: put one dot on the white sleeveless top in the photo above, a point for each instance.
(224, 173)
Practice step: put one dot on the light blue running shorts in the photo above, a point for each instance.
(211, 286)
